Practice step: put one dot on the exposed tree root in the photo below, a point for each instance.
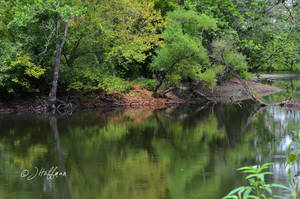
(61, 107)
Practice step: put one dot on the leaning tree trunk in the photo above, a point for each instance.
(245, 86)
(59, 46)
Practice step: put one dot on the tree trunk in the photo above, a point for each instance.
(291, 65)
(245, 86)
(59, 46)
(52, 94)
(160, 78)
(270, 68)
(158, 85)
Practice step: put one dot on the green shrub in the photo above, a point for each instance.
(225, 54)
(92, 79)
(182, 56)
(148, 84)
(111, 84)
(18, 73)
(209, 77)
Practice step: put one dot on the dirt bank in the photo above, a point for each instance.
(232, 91)
(227, 92)
(136, 98)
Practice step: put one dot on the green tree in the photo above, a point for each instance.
(26, 26)
(182, 55)
(226, 55)
(113, 42)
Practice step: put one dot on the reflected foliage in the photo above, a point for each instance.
(290, 88)
(184, 152)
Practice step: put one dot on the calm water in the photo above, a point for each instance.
(178, 153)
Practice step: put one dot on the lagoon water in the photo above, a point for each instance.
(177, 153)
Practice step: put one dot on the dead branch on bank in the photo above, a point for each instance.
(164, 92)
(285, 103)
(205, 97)
(248, 90)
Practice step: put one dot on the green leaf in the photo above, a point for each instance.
(249, 171)
(230, 197)
(253, 168)
(266, 165)
(252, 176)
(267, 173)
(241, 191)
(235, 191)
(247, 192)
(254, 197)
(280, 186)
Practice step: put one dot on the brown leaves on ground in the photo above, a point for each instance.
(137, 97)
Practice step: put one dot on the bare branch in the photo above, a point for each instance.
(290, 15)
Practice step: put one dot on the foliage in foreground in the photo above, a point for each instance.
(257, 188)
(293, 152)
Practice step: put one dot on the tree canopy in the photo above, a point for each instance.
(110, 43)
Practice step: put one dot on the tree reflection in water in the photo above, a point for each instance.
(184, 152)
(62, 168)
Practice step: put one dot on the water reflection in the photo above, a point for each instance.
(62, 168)
(183, 152)
(290, 88)
(280, 123)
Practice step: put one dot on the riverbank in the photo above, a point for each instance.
(135, 98)
(228, 92)
(232, 91)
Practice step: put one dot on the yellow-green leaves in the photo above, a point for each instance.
(18, 73)
(128, 32)
(23, 62)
